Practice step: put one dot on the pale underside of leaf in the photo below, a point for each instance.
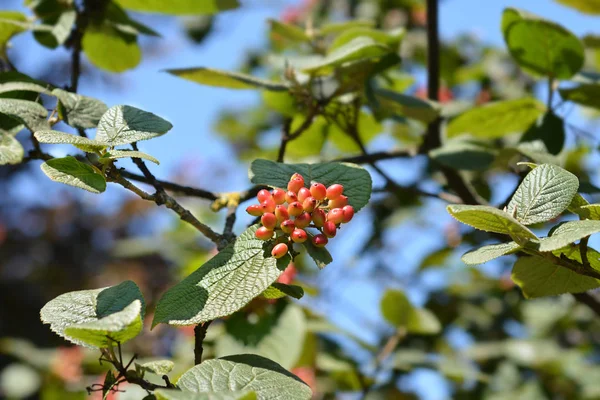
(57, 137)
(568, 233)
(116, 154)
(490, 252)
(11, 151)
(125, 124)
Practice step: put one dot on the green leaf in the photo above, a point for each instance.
(339, 27)
(488, 253)
(282, 340)
(57, 137)
(550, 129)
(395, 307)
(11, 151)
(421, 321)
(585, 6)
(464, 155)
(391, 39)
(538, 277)
(268, 379)
(279, 290)
(541, 47)
(179, 7)
(411, 107)
(586, 94)
(589, 211)
(116, 154)
(71, 172)
(11, 23)
(75, 317)
(320, 255)
(497, 119)
(225, 284)
(544, 194)
(358, 49)
(172, 394)
(226, 79)
(159, 367)
(20, 86)
(79, 111)
(125, 124)
(118, 18)
(568, 233)
(368, 129)
(288, 31)
(109, 49)
(355, 179)
(491, 219)
(30, 113)
(55, 30)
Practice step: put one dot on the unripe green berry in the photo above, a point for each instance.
(288, 226)
(291, 197)
(318, 191)
(255, 210)
(263, 233)
(319, 240)
(279, 196)
(263, 195)
(303, 194)
(295, 184)
(340, 202)
(281, 212)
(329, 229)
(334, 191)
(299, 236)
(269, 220)
(295, 209)
(279, 250)
(336, 215)
(302, 220)
(319, 217)
(348, 213)
(309, 204)
(269, 205)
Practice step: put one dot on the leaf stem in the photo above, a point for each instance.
(199, 336)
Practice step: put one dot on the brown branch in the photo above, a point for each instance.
(173, 187)
(199, 336)
(376, 156)
(287, 136)
(589, 300)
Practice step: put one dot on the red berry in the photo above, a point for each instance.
(291, 197)
(318, 191)
(336, 215)
(288, 226)
(295, 209)
(340, 202)
(319, 240)
(298, 176)
(348, 213)
(255, 210)
(281, 212)
(329, 229)
(264, 233)
(263, 195)
(280, 250)
(303, 194)
(302, 220)
(269, 220)
(319, 217)
(309, 204)
(299, 236)
(279, 196)
(295, 184)
(334, 191)
(269, 205)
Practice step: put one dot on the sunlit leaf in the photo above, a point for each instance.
(71, 172)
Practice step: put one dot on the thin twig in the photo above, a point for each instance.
(287, 136)
(583, 250)
(199, 336)
(173, 187)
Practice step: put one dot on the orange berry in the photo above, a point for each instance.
(295, 184)
(291, 197)
(319, 240)
(281, 212)
(279, 250)
(269, 220)
(269, 204)
(263, 195)
(309, 204)
(279, 196)
(329, 229)
(336, 215)
(318, 191)
(303, 194)
(348, 213)
(302, 220)
(295, 209)
(334, 191)
(263, 233)
(288, 226)
(319, 217)
(299, 236)
(255, 210)
(340, 202)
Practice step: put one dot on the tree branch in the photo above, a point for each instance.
(589, 300)
(199, 336)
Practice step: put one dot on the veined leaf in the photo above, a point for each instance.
(544, 194)
(30, 113)
(173, 394)
(116, 154)
(408, 106)
(71, 172)
(490, 252)
(57, 137)
(110, 49)
(20, 86)
(538, 277)
(180, 7)
(226, 79)
(568, 233)
(79, 111)
(497, 119)
(586, 94)
(355, 179)
(267, 378)
(491, 219)
(225, 284)
(159, 367)
(11, 151)
(279, 290)
(125, 124)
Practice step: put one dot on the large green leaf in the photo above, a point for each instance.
(538, 277)
(279, 290)
(86, 317)
(11, 151)
(356, 180)
(288, 31)
(541, 47)
(110, 49)
(71, 172)
(225, 284)
(391, 39)
(245, 372)
(180, 7)
(281, 342)
(550, 129)
(79, 111)
(320, 255)
(464, 155)
(490, 252)
(589, 211)
(497, 119)
(398, 311)
(544, 194)
(408, 106)
(173, 394)
(22, 86)
(11, 23)
(586, 6)
(491, 219)
(57, 137)
(30, 113)
(568, 233)
(55, 30)
(586, 94)
(225, 79)
(125, 124)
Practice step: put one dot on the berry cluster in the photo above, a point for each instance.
(288, 215)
